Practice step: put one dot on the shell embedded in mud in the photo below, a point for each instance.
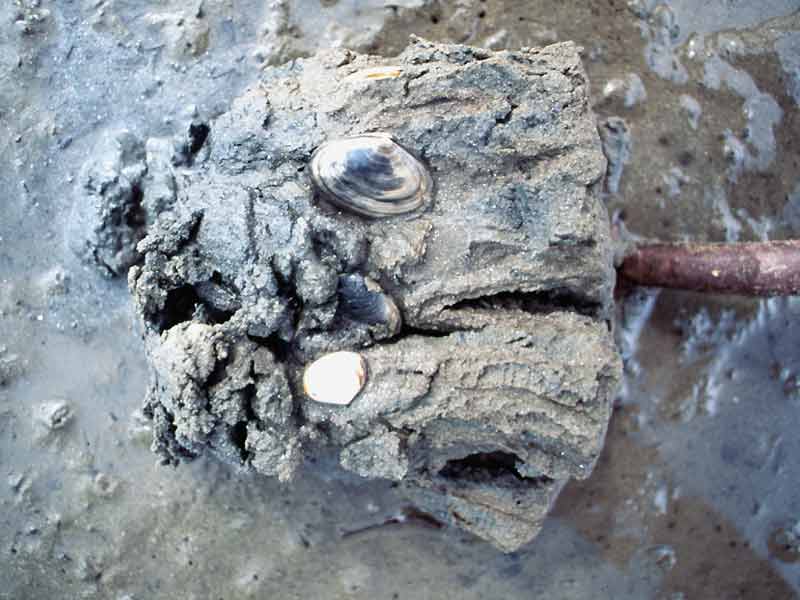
(370, 175)
(377, 73)
(363, 300)
(335, 378)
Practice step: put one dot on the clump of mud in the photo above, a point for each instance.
(496, 388)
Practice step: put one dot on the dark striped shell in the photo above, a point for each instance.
(362, 299)
(370, 175)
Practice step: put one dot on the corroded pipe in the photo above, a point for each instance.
(750, 269)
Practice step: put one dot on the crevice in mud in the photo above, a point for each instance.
(178, 307)
(432, 102)
(526, 164)
(238, 437)
(220, 300)
(216, 376)
(504, 119)
(250, 223)
(554, 152)
(287, 291)
(484, 466)
(107, 270)
(481, 465)
(198, 134)
(281, 349)
(166, 442)
(215, 316)
(542, 302)
(422, 332)
(182, 304)
(134, 215)
(248, 395)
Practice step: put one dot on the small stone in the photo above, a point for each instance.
(140, 428)
(635, 92)
(674, 180)
(665, 20)
(54, 282)
(639, 8)
(15, 480)
(691, 109)
(335, 378)
(629, 91)
(497, 41)
(784, 543)
(379, 455)
(11, 367)
(55, 415)
(104, 485)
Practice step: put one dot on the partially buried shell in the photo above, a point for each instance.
(363, 300)
(371, 175)
(376, 73)
(335, 378)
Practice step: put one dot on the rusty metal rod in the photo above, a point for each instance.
(750, 269)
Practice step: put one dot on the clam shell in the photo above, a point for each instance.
(376, 73)
(370, 175)
(335, 378)
(363, 300)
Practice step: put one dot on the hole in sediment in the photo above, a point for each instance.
(248, 397)
(134, 211)
(198, 134)
(484, 466)
(532, 302)
(238, 437)
(281, 349)
(422, 331)
(179, 306)
(182, 304)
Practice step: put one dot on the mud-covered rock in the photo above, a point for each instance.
(108, 217)
(496, 387)
(11, 366)
(122, 189)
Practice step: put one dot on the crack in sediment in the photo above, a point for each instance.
(535, 303)
(408, 80)
(492, 465)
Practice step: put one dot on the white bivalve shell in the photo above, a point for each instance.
(376, 73)
(370, 175)
(335, 378)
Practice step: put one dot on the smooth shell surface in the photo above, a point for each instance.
(335, 378)
(371, 175)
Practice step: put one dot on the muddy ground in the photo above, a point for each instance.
(696, 494)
